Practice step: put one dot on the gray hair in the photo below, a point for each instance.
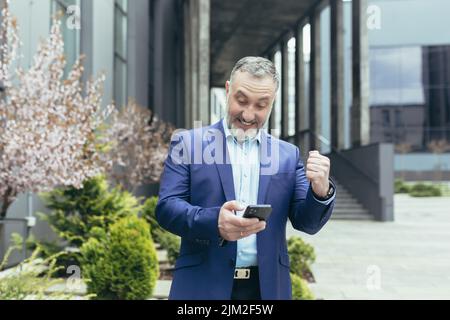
(258, 67)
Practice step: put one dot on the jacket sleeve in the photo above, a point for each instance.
(307, 214)
(173, 211)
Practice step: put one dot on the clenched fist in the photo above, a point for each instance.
(318, 173)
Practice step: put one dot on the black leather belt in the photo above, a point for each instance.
(245, 273)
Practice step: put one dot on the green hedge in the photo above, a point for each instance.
(76, 213)
(424, 190)
(121, 264)
(167, 240)
(418, 190)
(300, 289)
(302, 256)
(401, 187)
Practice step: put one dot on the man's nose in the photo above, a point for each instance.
(248, 116)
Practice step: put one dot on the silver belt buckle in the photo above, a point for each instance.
(242, 273)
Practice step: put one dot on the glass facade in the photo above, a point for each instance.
(410, 78)
(70, 27)
(410, 95)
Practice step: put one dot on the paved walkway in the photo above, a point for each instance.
(405, 259)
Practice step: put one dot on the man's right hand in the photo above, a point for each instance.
(232, 227)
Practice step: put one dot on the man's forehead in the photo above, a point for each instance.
(247, 84)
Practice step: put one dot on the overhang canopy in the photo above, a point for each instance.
(242, 28)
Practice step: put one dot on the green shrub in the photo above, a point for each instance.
(76, 212)
(302, 256)
(300, 289)
(31, 279)
(171, 243)
(401, 187)
(148, 213)
(167, 240)
(121, 264)
(423, 190)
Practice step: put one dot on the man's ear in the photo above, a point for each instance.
(227, 87)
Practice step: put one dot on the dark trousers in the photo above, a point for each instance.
(247, 289)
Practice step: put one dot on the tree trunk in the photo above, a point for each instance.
(6, 202)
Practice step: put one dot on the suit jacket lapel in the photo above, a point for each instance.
(224, 166)
(264, 179)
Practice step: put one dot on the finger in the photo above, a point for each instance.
(316, 168)
(319, 159)
(256, 228)
(233, 205)
(244, 234)
(242, 222)
(236, 227)
(228, 227)
(231, 228)
(311, 175)
(321, 162)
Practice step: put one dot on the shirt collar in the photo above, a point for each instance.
(229, 134)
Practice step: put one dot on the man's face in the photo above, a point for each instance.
(249, 101)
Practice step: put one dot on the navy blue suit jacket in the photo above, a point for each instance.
(191, 195)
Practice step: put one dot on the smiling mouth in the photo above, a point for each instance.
(246, 124)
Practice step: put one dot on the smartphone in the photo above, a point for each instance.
(260, 211)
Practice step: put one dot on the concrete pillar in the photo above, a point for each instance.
(315, 103)
(272, 115)
(300, 97)
(86, 37)
(285, 89)
(360, 117)
(138, 51)
(337, 74)
(188, 76)
(166, 51)
(196, 60)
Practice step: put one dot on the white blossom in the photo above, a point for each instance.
(140, 146)
(48, 124)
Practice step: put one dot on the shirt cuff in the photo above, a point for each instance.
(327, 202)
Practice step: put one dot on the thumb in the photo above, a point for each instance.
(233, 205)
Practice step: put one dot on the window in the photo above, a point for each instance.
(70, 12)
(386, 118)
(398, 118)
(120, 52)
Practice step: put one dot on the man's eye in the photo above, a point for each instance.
(242, 101)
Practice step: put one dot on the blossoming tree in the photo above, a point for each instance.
(49, 124)
(140, 143)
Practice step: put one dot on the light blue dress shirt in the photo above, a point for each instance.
(245, 163)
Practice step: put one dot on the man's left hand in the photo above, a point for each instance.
(318, 173)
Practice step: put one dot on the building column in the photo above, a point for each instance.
(138, 51)
(285, 89)
(272, 124)
(360, 117)
(337, 74)
(196, 61)
(315, 90)
(300, 101)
